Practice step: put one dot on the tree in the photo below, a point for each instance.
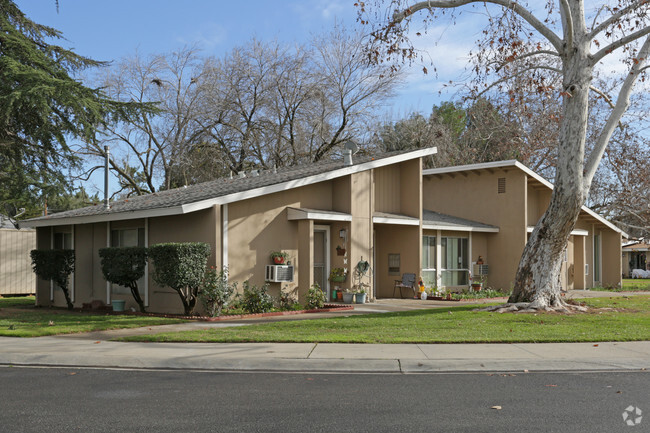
(41, 103)
(520, 44)
(55, 265)
(181, 266)
(125, 266)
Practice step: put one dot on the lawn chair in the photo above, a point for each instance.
(407, 281)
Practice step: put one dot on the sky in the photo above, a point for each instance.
(110, 30)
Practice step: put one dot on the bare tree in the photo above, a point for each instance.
(569, 43)
(151, 146)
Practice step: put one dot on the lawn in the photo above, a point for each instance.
(636, 284)
(444, 325)
(18, 318)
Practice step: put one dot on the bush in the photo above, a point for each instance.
(181, 266)
(288, 302)
(256, 300)
(315, 298)
(54, 265)
(125, 266)
(215, 291)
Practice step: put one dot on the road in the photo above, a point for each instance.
(99, 400)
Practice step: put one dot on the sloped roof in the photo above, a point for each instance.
(440, 221)
(225, 190)
(637, 246)
(528, 171)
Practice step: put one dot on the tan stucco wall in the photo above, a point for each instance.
(612, 258)
(475, 197)
(396, 239)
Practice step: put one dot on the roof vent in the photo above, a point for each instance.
(349, 149)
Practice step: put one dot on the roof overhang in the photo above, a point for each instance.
(294, 214)
(238, 196)
(574, 232)
(460, 228)
(401, 220)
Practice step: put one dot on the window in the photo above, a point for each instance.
(429, 261)
(63, 241)
(597, 259)
(127, 238)
(455, 261)
(393, 264)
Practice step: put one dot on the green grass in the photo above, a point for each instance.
(444, 325)
(628, 285)
(35, 322)
(19, 301)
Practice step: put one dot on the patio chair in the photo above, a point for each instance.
(407, 281)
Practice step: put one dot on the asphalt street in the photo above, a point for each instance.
(101, 400)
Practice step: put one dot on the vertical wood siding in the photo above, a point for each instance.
(16, 276)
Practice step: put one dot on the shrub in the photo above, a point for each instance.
(315, 298)
(288, 302)
(125, 266)
(55, 265)
(256, 299)
(181, 266)
(215, 291)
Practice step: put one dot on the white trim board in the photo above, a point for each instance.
(574, 232)
(238, 196)
(294, 214)
(396, 221)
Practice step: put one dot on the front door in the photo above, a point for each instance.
(321, 258)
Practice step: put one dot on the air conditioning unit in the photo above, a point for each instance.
(279, 273)
(480, 269)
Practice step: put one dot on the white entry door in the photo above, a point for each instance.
(322, 258)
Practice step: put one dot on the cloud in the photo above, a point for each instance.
(208, 36)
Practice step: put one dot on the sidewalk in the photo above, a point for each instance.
(333, 358)
(95, 350)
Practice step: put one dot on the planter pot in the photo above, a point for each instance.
(337, 279)
(278, 260)
(347, 297)
(118, 304)
(477, 287)
(339, 295)
(334, 294)
(340, 251)
(360, 298)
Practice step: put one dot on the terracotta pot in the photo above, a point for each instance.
(278, 260)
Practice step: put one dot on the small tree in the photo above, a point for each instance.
(125, 266)
(55, 265)
(215, 290)
(181, 266)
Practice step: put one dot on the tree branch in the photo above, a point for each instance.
(568, 30)
(603, 95)
(619, 43)
(515, 7)
(622, 102)
(523, 56)
(518, 73)
(614, 17)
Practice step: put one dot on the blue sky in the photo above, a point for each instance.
(110, 30)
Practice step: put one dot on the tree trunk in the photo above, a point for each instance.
(136, 295)
(66, 293)
(538, 278)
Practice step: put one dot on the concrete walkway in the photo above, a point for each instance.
(95, 350)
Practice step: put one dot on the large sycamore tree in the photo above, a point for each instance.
(559, 47)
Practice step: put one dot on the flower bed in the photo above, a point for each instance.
(326, 309)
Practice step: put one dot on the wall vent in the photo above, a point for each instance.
(501, 186)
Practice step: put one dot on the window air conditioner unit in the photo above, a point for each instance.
(279, 273)
(480, 269)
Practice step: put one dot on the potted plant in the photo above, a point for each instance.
(477, 283)
(279, 257)
(337, 275)
(340, 251)
(360, 293)
(348, 296)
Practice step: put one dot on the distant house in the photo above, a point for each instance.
(16, 276)
(382, 209)
(635, 256)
